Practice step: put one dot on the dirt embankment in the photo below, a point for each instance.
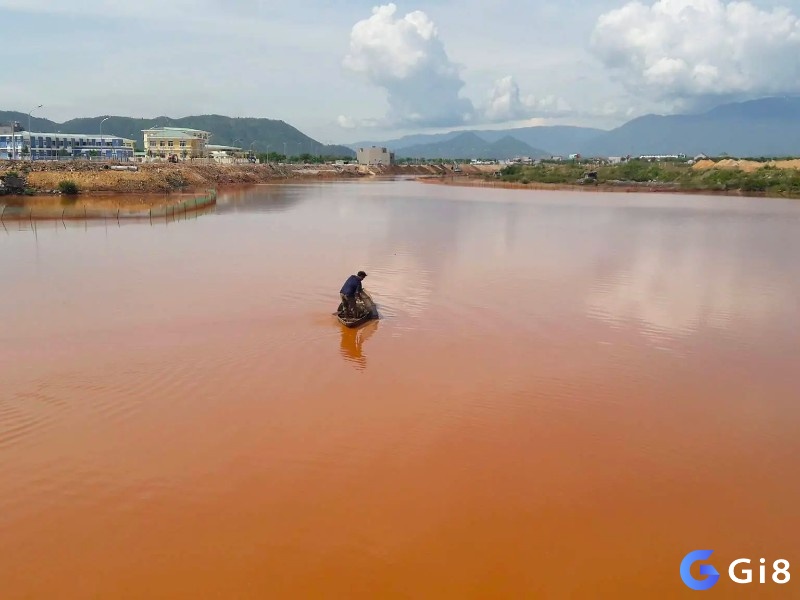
(400, 170)
(45, 177)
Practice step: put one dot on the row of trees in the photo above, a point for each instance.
(306, 158)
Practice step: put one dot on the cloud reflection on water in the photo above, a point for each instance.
(675, 273)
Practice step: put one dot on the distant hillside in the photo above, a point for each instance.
(766, 127)
(407, 141)
(559, 139)
(263, 134)
(510, 147)
(470, 145)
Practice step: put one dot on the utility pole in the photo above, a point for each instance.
(101, 137)
(14, 140)
(29, 116)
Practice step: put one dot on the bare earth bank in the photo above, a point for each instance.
(44, 177)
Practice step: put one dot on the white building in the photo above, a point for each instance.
(374, 155)
(52, 146)
(224, 154)
(662, 156)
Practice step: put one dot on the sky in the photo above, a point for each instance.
(344, 71)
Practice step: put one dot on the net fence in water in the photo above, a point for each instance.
(14, 226)
(69, 211)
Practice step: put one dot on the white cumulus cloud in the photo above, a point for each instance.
(346, 122)
(506, 104)
(693, 50)
(405, 56)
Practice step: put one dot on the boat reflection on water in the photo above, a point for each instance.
(352, 343)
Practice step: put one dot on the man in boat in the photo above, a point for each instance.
(350, 291)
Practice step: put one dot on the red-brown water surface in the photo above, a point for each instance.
(568, 392)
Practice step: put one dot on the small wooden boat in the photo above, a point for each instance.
(365, 311)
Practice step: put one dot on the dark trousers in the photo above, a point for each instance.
(349, 304)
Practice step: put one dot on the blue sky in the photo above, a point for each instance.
(346, 71)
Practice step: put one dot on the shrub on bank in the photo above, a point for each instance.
(68, 187)
(550, 173)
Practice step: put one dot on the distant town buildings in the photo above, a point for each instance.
(224, 154)
(180, 141)
(374, 155)
(662, 157)
(17, 144)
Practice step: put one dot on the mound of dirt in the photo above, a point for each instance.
(748, 166)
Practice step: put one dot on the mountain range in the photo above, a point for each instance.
(765, 127)
(469, 144)
(260, 135)
(536, 142)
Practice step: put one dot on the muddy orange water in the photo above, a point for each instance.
(566, 394)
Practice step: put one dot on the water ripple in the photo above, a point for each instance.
(26, 414)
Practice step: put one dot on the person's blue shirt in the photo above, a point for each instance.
(351, 286)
